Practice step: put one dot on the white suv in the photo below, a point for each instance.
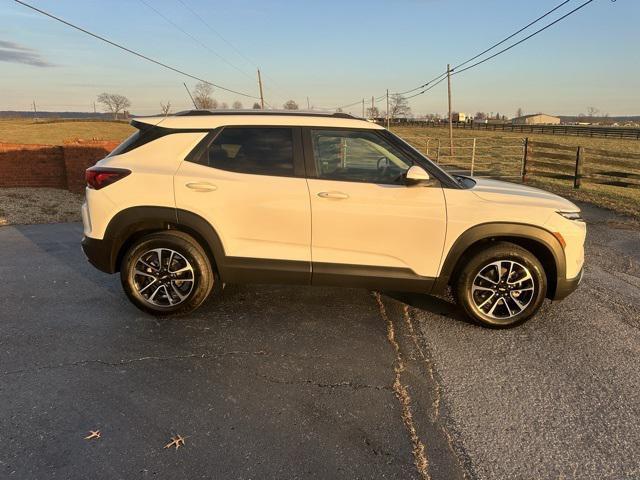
(198, 199)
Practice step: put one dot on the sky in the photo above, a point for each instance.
(334, 52)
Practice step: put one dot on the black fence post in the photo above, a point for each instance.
(525, 157)
(579, 161)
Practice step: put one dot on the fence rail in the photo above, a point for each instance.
(604, 167)
(594, 131)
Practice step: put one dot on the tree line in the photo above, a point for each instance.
(203, 99)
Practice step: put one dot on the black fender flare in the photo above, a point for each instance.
(501, 231)
(141, 219)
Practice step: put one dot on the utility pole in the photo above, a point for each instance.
(308, 104)
(373, 106)
(363, 108)
(450, 113)
(387, 109)
(261, 94)
(95, 112)
(35, 111)
(190, 96)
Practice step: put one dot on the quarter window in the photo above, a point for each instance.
(357, 156)
(259, 151)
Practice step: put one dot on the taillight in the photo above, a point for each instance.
(99, 177)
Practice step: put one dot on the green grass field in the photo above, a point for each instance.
(497, 155)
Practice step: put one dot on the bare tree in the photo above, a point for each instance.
(237, 105)
(203, 96)
(373, 112)
(256, 106)
(223, 106)
(519, 112)
(592, 112)
(480, 116)
(165, 108)
(114, 103)
(398, 106)
(290, 105)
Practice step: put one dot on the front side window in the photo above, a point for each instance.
(357, 156)
(258, 151)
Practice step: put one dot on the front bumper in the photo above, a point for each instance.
(98, 252)
(567, 286)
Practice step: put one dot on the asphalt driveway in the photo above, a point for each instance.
(296, 382)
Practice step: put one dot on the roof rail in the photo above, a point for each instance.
(302, 113)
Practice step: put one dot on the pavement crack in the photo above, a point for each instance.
(315, 383)
(428, 363)
(402, 394)
(127, 361)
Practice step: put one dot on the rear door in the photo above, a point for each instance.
(365, 221)
(248, 183)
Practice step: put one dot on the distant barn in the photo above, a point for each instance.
(536, 119)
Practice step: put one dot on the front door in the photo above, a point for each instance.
(364, 218)
(249, 184)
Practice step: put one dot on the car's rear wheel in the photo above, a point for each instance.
(501, 286)
(167, 273)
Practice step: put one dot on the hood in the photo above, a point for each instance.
(505, 192)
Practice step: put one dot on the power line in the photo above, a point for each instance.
(512, 35)
(442, 76)
(248, 60)
(546, 14)
(524, 39)
(423, 85)
(510, 46)
(427, 89)
(181, 72)
(206, 24)
(202, 44)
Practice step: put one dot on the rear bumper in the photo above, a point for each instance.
(98, 252)
(567, 286)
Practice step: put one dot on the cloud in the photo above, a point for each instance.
(14, 53)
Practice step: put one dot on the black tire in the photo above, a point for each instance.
(186, 249)
(515, 301)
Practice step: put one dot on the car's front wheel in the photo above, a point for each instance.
(501, 286)
(167, 273)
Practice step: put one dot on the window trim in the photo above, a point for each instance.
(202, 148)
(412, 154)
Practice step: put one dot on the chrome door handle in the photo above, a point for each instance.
(202, 186)
(338, 195)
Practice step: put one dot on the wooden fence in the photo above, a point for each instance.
(578, 164)
(570, 130)
(594, 131)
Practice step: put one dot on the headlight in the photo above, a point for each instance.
(577, 216)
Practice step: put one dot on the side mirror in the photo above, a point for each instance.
(417, 176)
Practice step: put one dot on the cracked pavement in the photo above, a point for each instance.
(300, 382)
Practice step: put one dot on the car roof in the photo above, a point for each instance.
(206, 119)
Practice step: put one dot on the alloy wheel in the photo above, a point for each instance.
(503, 289)
(163, 277)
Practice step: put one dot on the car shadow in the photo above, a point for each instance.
(430, 303)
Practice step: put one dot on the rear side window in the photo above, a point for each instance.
(128, 144)
(258, 151)
(145, 134)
